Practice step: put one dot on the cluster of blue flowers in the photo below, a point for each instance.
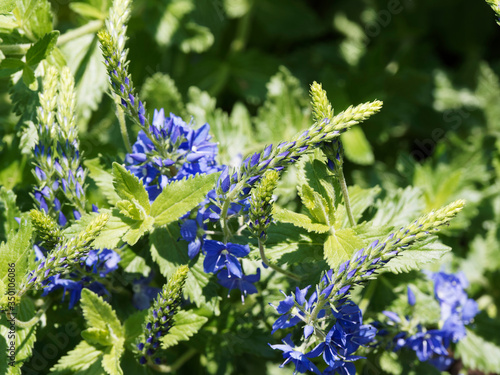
(97, 264)
(173, 151)
(336, 342)
(457, 310)
(176, 151)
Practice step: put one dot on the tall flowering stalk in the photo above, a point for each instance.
(58, 171)
(160, 317)
(236, 184)
(329, 298)
(64, 256)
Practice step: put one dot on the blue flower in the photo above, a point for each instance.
(289, 317)
(176, 151)
(426, 344)
(345, 337)
(342, 368)
(98, 263)
(190, 233)
(220, 255)
(299, 359)
(244, 284)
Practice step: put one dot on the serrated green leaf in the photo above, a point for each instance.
(286, 107)
(29, 138)
(16, 253)
(169, 254)
(288, 244)
(316, 174)
(111, 360)
(128, 186)
(317, 205)
(81, 358)
(299, 220)
(87, 10)
(110, 236)
(84, 58)
(103, 179)
(356, 147)
(423, 252)
(99, 314)
(97, 336)
(29, 77)
(42, 48)
(132, 209)
(35, 16)
(179, 197)
(399, 207)
(340, 245)
(478, 354)
(9, 66)
(186, 324)
(9, 212)
(138, 229)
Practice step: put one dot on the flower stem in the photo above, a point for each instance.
(345, 193)
(123, 126)
(274, 267)
(21, 49)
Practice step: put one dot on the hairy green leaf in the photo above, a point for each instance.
(128, 186)
(179, 197)
(423, 252)
(103, 179)
(299, 220)
(100, 315)
(42, 48)
(186, 324)
(340, 245)
(15, 254)
(81, 358)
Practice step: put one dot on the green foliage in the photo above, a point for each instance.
(186, 325)
(178, 198)
(103, 340)
(16, 254)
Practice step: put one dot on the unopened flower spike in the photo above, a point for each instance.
(321, 107)
(241, 180)
(161, 315)
(260, 214)
(366, 261)
(261, 207)
(63, 257)
(47, 229)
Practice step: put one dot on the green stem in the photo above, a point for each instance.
(369, 291)
(21, 49)
(345, 193)
(274, 267)
(32, 321)
(177, 364)
(123, 127)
